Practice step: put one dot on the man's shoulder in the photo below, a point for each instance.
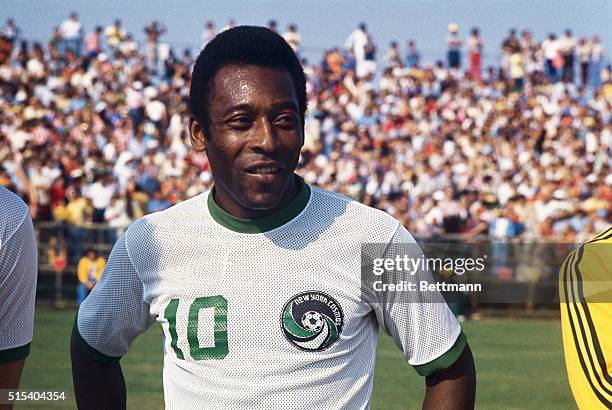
(14, 212)
(352, 211)
(596, 257)
(184, 213)
(11, 201)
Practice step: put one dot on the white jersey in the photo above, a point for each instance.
(265, 313)
(18, 273)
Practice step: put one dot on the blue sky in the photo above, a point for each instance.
(327, 23)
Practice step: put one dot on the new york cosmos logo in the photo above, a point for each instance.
(312, 320)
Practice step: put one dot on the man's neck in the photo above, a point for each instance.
(225, 202)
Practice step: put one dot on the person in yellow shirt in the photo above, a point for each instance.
(77, 213)
(89, 271)
(586, 318)
(78, 210)
(115, 34)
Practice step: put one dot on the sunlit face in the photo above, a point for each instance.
(254, 138)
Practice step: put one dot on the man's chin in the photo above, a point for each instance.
(264, 195)
(262, 202)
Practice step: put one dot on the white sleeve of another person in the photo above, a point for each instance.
(18, 275)
(115, 312)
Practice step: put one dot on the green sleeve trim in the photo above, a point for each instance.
(14, 354)
(446, 360)
(90, 351)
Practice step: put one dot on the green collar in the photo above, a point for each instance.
(267, 223)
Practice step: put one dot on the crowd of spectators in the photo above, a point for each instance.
(93, 129)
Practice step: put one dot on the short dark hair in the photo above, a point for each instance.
(243, 45)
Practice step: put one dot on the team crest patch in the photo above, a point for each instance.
(312, 321)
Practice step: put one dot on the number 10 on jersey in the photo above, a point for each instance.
(220, 348)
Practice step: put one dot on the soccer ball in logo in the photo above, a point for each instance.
(312, 321)
(306, 321)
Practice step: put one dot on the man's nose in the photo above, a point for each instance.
(265, 136)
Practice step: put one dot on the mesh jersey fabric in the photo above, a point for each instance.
(168, 261)
(18, 274)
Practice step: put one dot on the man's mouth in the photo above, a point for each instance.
(264, 170)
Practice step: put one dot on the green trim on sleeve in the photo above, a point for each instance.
(267, 223)
(446, 360)
(90, 351)
(14, 354)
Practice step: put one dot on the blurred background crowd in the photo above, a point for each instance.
(93, 129)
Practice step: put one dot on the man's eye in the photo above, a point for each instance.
(240, 122)
(286, 120)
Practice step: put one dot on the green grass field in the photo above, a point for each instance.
(519, 366)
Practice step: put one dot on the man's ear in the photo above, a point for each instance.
(196, 135)
(303, 133)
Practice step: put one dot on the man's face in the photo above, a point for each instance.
(254, 139)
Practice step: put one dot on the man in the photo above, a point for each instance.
(8, 38)
(218, 271)
(586, 316)
(18, 272)
(10, 32)
(230, 24)
(567, 45)
(93, 43)
(413, 57)
(392, 58)
(208, 33)
(153, 30)
(454, 43)
(72, 35)
(356, 43)
(115, 34)
(595, 64)
(550, 48)
(475, 46)
(101, 192)
(510, 46)
(273, 25)
(293, 38)
(583, 52)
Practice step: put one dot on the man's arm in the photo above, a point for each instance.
(11, 373)
(18, 275)
(452, 388)
(111, 317)
(426, 331)
(97, 385)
